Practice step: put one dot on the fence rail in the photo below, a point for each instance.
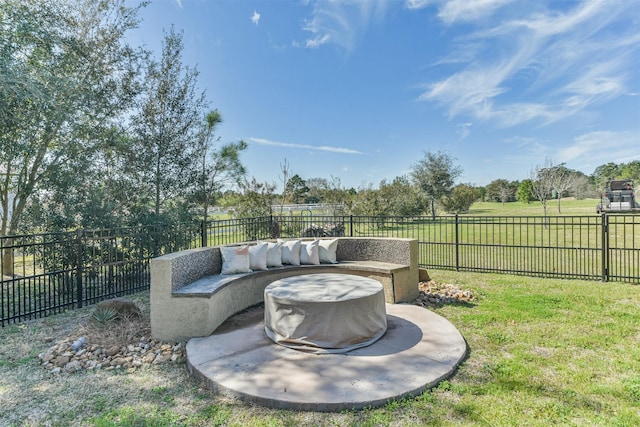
(43, 274)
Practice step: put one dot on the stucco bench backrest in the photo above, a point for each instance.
(193, 264)
(185, 267)
(397, 251)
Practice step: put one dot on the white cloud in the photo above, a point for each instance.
(417, 4)
(318, 41)
(585, 152)
(464, 130)
(341, 150)
(597, 82)
(179, 3)
(255, 18)
(450, 11)
(341, 21)
(473, 89)
(564, 62)
(468, 10)
(516, 113)
(589, 149)
(593, 13)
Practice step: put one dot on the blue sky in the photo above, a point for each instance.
(359, 90)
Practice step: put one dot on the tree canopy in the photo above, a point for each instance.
(67, 75)
(96, 133)
(435, 176)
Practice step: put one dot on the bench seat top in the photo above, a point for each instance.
(209, 285)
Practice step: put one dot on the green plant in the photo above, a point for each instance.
(104, 315)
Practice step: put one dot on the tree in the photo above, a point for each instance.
(579, 185)
(254, 201)
(561, 180)
(461, 198)
(97, 196)
(335, 193)
(167, 126)
(604, 173)
(370, 202)
(524, 193)
(322, 190)
(435, 175)
(630, 170)
(402, 197)
(66, 77)
(501, 190)
(285, 169)
(297, 188)
(217, 168)
(317, 189)
(542, 183)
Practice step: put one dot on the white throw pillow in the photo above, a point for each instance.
(274, 254)
(235, 259)
(309, 253)
(327, 250)
(258, 256)
(291, 251)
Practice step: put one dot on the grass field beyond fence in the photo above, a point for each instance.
(541, 352)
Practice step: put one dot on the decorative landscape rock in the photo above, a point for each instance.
(124, 342)
(77, 344)
(433, 294)
(60, 358)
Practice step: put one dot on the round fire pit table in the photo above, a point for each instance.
(325, 313)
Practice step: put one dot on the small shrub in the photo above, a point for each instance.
(103, 316)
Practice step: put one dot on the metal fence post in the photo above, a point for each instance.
(350, 225)
(271, 225)
(457, 246)
(605, 247)
(79, 268)
(203, 234)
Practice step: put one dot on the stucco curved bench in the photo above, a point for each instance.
(190, 298)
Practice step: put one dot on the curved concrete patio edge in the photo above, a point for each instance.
(419, 349)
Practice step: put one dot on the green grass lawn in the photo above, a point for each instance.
(545, 352)
(568, 206)
(541, 352)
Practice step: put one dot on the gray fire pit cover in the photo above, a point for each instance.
(325, 313)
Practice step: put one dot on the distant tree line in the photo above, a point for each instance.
(430, 188)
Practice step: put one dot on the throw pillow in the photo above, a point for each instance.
(291, 251)
(258, 256)
(274, 254)
(309, 253)
(327, 250)
(235, 259)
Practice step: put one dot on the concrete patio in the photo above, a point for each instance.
(419, 349)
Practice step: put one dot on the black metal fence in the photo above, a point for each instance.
(600, 247)
(42, 274)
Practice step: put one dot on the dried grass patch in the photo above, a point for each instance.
(120, 332)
